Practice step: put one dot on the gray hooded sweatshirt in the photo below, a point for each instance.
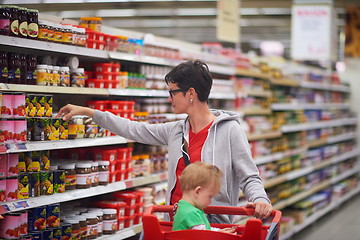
(226, 146)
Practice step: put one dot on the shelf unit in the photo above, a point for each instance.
(71, 195)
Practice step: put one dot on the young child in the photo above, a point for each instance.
(199, 182)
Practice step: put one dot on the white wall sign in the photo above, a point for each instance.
(311, 32)
(228, 27)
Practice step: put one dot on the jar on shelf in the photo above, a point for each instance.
(49, 80)
(92, 222)
(67, 36)
(103, 172)
(95, 174)
(50, 32)
(83, 175)
(95, 23)
(83, 226)
(58, 34)
(78, 77)
(70, 175)
(109, 221)
(42, 74)
(43, 31)
(4, 20)
(23, 24)
(75, 227)
(82, 37)
(64, 76)
(56, 76)
(99, 214)
(33, 25)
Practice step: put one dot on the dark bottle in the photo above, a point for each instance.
(14, 68)
(4, 20)
(3, 67)
(14, 21)
(23, 24)
(31, 75)
(23, 69)
(33, 23)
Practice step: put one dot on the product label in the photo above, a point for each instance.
(67, 37)
(83, 179)
(43, 33)
(56, 79)
(50, 35)
(92, 230)
(109, 225)
(23, 28)
(41, 78)
(5, 24)
(70, 180)
(104, 176)
(14, 27)
(57, 36)
(4, 72)
(33, 30)
(75, 234)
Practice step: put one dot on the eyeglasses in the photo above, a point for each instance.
(171, 92)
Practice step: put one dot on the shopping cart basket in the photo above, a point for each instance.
(252, 230)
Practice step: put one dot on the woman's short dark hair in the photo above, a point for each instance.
(192, 74)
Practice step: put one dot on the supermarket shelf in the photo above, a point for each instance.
(62, 144)
(222, 95)
(279, 155)
(143, 59)
(284, 82)
(254, 93)
(123, 234)
(251, 73)
(222, 69)
(138, 92)
(318, 214)
(52, 47)
(53, 89)
(332, 139)
(326, 86)
(256, 111)
(318, 125)
(302, 106)
(304, 171)
(261, 136)
(304, 194)
(22, 204)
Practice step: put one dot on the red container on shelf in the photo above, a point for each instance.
(115, 76)
(130, 105)
(121, 223)
(103, 67)
(114, 105)
(100, 36)
(95, 83)
(90, 34)
(137, 218)
(120, 175)
(88, 75)
(100, 45)
(130, 210)
(90, 43)
(99, 105)
(112, 177)
(104, 75)
(121, 165)
(121, 153)
(127, 197)
(129, 222)
(115, 66)
(139, 208)
(104, 154)
(139, 197)
(129, 153)
(118, 205)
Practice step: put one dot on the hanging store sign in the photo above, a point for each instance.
(312, 32)
(352, 32)
(228, 27)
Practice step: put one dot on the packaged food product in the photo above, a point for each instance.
(7, 130)
(42, 78)
(53, 215)
(103, 172)
(37, 219)
(83, 226)
(23, 24)
(14, 21)
(10, 226)
(91, 220)
(75, 228)
(46, 182)
(14, 68)
(64, 76)
(4, 20)
(109, 221)
(33, 27)
(34, 187)
(43, 30)
(23, 185)
(94, 174)
(70, 175)
(83, 175)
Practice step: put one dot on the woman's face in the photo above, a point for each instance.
(178, 101)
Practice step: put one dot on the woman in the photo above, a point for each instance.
(211, 136)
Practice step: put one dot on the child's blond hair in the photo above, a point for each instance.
(200, 174)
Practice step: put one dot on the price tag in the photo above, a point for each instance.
(21, 204)
(21, 146)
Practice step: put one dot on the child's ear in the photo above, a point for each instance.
(197, 189)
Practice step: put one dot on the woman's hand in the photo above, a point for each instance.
(70, 110)
(262, 209)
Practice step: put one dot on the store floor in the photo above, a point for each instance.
(342, 223)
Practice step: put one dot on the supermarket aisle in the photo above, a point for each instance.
(343, 223)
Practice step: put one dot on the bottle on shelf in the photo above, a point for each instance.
(4, 20)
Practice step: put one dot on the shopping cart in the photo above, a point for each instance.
(253, 229)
